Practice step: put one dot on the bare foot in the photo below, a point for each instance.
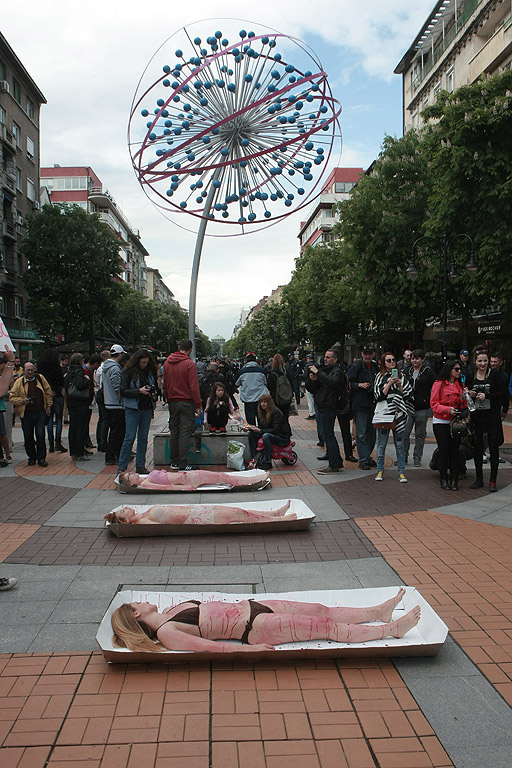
(401, 626)
(385, 611)
(281, 511)
(290, 516)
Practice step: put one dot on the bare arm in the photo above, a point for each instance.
(175, 640)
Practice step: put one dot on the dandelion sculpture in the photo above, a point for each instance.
(237, 133)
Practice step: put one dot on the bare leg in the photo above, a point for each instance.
(345, 615)
(278, 628)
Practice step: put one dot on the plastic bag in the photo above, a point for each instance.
(235, 458)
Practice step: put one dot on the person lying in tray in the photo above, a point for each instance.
(198, 514)
(161, 480)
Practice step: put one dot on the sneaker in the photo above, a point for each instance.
(501, 461)
(88, 453)
(3, 463)
(484, 458)
(84, 458)
(251, 464)
(265, 465)
(402, 478)
(6, 584)
(323, 457)
(328, 471)
(223, 430)
(142, 471)
(9, 459)
(174, 468)
(213, 430)
(379, 475)
(417, 462)
(309, 418)
(188, 468)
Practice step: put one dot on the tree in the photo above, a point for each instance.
(73, 259)
(378, 225)
(470, 150)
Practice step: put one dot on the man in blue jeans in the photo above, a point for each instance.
(327, 383)
(361, 376)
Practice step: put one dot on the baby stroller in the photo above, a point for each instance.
(283, 452)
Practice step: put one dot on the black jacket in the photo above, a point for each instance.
(362, 399)
(277, 424)
(327, 387)
(421, 386)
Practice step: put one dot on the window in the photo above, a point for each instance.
(72, 182)
(18, 306)
(19, 179)
(30, 109)
(3, 116)
(31, 148)
(3, 71)
(343, 186)
(450, 81)
(31, 189)
(437, 88)
(16, 130)
(16, 90)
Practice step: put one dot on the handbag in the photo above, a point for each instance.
(382, 419)
(78, 394)
(461, 425)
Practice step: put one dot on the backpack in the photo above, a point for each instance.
(284, 391)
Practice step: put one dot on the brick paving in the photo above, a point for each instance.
(464, 569)
(67, 710)
(363, 497)
(342, 540)
(24, 501)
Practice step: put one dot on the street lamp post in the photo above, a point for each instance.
(448, 272)
(274, 331)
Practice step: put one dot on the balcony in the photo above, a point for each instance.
(488, 57)
(9, 229)
(8, 182)
(7, 136)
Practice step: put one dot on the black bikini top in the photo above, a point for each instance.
(186, 616)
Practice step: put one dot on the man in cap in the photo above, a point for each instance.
(111, 383)
(466, 369)
(361, 376)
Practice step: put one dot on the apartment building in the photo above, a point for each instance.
(157, 289)
(317, 228)
(460, 40)
(20, 103)
(80, 185)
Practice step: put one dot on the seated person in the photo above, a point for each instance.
(161, 480)
(258, 626)
(219, 408)
(198, 514)
(272, 427)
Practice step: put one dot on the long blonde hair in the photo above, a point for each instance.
(131, 633)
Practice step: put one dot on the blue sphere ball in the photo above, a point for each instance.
(275, 74)
(248, 78)
(288, 202)
(225, 215)
(174, 185)
(289, 68)
(309, 145)
(251, 216)
(300, 191)
(178, 53)
(225, 42)
(218, 35)
(144, 113)
(250, 34)
(323, 109)
(215, 131)
(206, 139)
(175, 178)
(208, 84)
(224, 151)
(152, 136)
(165, 113)
(176, 98)
(187, 107)
(167, 131)
(308, 176)
(183, 204)
(267, 214)
(232, 87)
(203, 102)
(197, 40)
(245, 142)
(177, 131)
(198, 84)
(216, 184)
(199, 199)
(309, 97)
(264, 40)
(242, 33)
(277, 57)
(166, 68)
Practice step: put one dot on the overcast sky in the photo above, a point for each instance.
(87, 59)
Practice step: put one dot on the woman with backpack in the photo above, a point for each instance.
(279, 386)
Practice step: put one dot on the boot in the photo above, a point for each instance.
(444, 484)
(454, 485)
(479, 483)
(60, 447)
(52, 445)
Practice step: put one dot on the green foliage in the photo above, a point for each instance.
(72, 260)
(470, 151)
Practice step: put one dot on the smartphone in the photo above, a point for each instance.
(394, 373)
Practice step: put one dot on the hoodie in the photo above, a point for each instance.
(111, 382)
(180, 380)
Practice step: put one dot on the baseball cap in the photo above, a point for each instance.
(368, 348)
(116, 349)
(309, 356)
(464, 352)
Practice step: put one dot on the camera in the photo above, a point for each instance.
(31, 400)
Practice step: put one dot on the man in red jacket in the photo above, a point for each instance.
(181, 389)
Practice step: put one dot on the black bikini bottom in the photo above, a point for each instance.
(256, 609)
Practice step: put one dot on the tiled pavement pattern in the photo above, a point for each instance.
(464, 569)
(85, 546)
(69, 711)
(62, 709)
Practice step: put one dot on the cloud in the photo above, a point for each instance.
(87, 59)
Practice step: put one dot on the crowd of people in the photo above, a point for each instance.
(369, 399)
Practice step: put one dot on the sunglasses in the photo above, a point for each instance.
(456, 369)
(390, 359)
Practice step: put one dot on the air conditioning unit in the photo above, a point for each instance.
(4, 86)
(36, 205)
(19, 219)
